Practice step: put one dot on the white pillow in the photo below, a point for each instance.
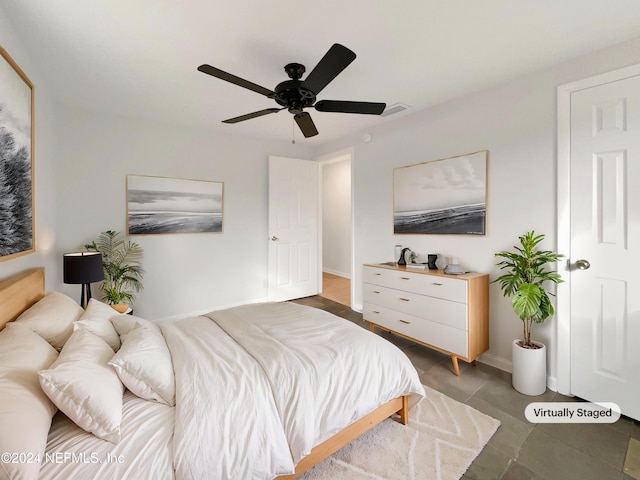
(144, 365)
(25, 411)
(52, 318)
(96, 319)
(84, 387)
(125, 323)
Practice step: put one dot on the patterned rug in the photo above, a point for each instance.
(442, 439)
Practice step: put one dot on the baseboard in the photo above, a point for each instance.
(505, 365)
(495, 361)
(198, 313)
(336, 273)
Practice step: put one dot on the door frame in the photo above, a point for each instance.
(323, 160)
(563, 300)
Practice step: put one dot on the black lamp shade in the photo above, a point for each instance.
(84, 267)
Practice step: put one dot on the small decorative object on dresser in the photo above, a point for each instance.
(453, 267)
(443, 312)
(405, 254)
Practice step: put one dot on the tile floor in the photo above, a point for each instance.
(519, 450)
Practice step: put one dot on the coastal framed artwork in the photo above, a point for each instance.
(161, 205)
(446, 196)
(17, 219)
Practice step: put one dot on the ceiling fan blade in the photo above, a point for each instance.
(329, 67)
(306, 124)
(249, 116)
(343, 106)
(241, 82)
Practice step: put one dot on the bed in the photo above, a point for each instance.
(256, 391)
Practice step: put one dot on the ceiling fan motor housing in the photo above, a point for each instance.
(290, 93)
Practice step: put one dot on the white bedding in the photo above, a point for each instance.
(147, 435)
(283, 378)
(257, 387)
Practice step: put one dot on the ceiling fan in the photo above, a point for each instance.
(296, 95)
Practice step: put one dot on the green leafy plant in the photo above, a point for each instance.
(524, 281)
(122, 268)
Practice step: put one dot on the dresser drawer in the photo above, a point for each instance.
(433, 285)
(445, 312)
(441, 336)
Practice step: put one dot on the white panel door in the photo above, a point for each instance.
(293, 228)
(605, 244)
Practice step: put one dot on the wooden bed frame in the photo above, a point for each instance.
(398, 405)
(20, 291)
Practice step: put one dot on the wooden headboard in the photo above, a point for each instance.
(19, 292)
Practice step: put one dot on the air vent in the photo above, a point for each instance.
(395, 108)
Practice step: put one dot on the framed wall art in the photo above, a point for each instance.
(447, 196)
(159, 205)
(17, 224)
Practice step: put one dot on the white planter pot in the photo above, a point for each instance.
(529, 369)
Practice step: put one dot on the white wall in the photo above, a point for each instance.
(336, 217)
(516, 122)
(185, 273)
(44, 168)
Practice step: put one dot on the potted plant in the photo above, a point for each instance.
(524, 280)
(122, 269)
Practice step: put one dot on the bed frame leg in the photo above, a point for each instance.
(404, 411)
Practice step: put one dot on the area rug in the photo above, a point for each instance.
(442, 439)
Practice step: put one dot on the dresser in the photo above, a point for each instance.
(449, 313)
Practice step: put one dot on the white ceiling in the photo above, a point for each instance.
(138, 57)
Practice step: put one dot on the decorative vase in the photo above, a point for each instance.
(403, 256)
(398, 249)
(120, 307)
(529, 369)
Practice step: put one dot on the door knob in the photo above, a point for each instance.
(274, 239)
(583, 264)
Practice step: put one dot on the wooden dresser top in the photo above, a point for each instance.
(439, 273)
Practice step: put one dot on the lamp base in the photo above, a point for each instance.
(85, 295)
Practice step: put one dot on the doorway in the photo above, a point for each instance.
(336, 226)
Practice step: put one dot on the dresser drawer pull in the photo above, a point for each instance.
(404, 299)
(405, 278)
(405, 322)
(437, 284)
(376, 273)
(375, 311)
(375, 291)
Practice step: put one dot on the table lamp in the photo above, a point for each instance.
(83, 268)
